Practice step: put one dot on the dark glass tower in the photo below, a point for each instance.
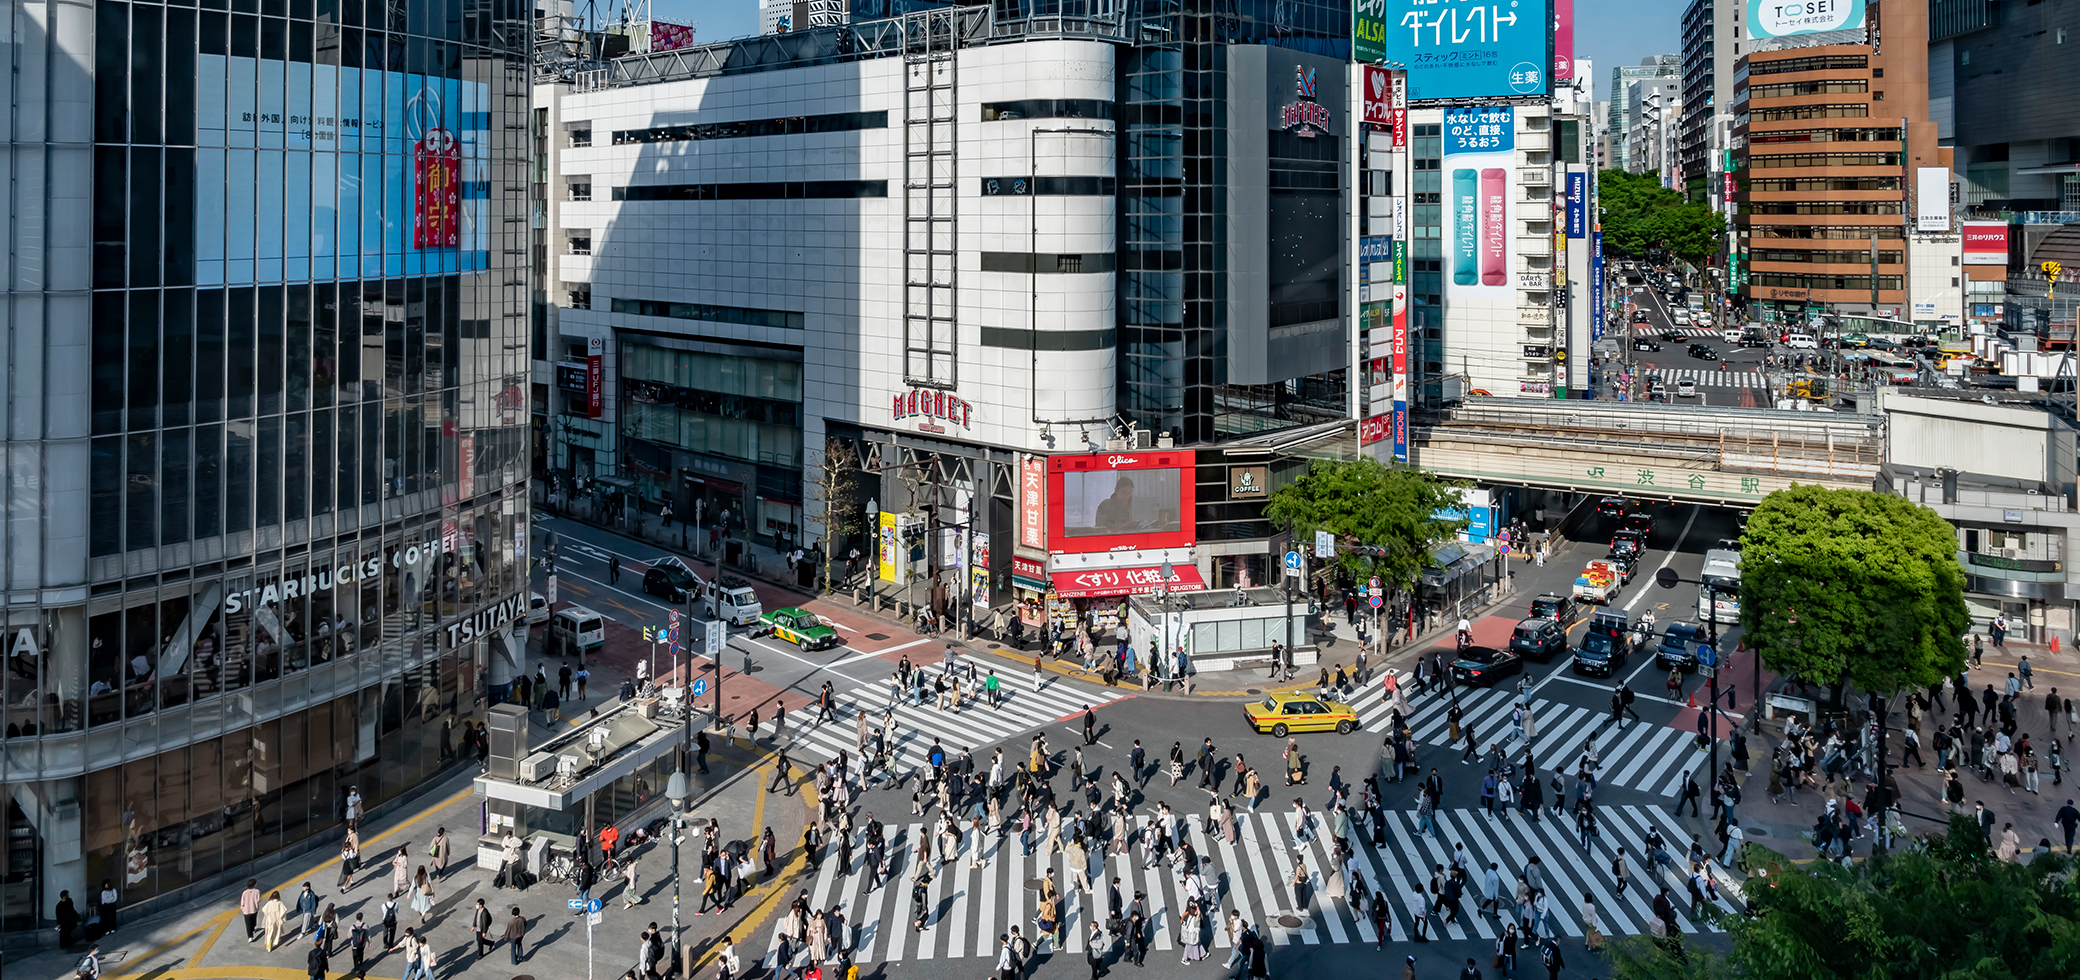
(270, 278)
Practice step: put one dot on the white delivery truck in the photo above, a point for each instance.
(729, 599)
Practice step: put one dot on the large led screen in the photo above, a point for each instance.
(1113, 502)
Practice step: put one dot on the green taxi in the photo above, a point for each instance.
(800, 627)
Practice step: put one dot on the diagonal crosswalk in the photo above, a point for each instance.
(969, 906)
(976, 725)
(1639, 755)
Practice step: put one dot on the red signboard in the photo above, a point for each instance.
(1128, 500)
(1985, 243)
(1379, 96)
(595, 377)
(1032, 502)
(1125, 581)
(1374, 429)
(1400, 330)
(437, 191)
(1401, 112)
(1030, 568)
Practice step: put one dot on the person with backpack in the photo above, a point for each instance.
(357, 944)
(89, 967)
(315, 961)
(1550, 956)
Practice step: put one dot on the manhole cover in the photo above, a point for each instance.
(1756, 831)
(754, 668)
(877, 636)
(1254, 690)
(1289, 921)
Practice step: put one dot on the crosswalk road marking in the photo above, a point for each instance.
(977, 726)
(1751, 378)
(971, 907)
(1640, 755)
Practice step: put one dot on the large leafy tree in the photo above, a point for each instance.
(1390, 512)
(1853, 585)
(1639, 214)
(1944, 911)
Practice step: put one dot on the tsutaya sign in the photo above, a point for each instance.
(485, 621)
(933, 407)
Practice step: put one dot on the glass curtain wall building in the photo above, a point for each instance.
(269, 278)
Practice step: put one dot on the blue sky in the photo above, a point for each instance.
(1611, 32)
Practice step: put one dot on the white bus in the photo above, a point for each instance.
(1721, 569)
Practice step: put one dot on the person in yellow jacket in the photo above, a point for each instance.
(274, 917)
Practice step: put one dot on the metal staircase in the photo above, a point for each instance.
(930, 202)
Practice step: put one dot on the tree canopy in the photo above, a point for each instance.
(1392, 508)
(1639, 214)
(1946, 909)
(1853, 584)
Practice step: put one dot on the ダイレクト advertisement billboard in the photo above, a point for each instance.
(1479, 160)
(1120, 501)
(1455, 49)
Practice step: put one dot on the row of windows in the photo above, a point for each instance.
(1770, 161)
(775, 190)
(1824, 184)
(434, 18)
(1826, 136)
(1798, 281)
(834, 122)
(1047, 186)
(1822, 256)
(1047, 109)
(703, 311)
(1825, 62)
(1839, 207)
(1824, 231)
(1784, 90)
(1026, 263)
(1811, 112)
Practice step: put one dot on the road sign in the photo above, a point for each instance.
(1706, 670)
(591, 919)
(717, 640)
(552, 589)
(593, 906)
(700, 686)
(574, 904)
(1377, 602)
(1706, 656)
(1374, 583)
(1324, 544)
(1293, 560)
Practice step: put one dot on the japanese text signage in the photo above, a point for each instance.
(1379, 96)
(1784, 18)
(1480, 129)
(595, 377)
(1369, 30)
(1032, 502)
(1577, 203)
(1470, 49)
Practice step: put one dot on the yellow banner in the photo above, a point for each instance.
(891, 550)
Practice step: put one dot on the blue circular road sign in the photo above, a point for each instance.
(1706, 656)
(700, 687)
(1293, 560)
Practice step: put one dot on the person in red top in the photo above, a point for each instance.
(607, 839)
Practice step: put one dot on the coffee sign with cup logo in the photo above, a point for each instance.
(1246, 483)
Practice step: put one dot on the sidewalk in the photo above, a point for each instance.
(203, 939)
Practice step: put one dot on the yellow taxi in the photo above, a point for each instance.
(1282, 713)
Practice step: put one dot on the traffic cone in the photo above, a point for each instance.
(1693, 699)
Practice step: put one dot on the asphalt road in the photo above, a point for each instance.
(1740, 382)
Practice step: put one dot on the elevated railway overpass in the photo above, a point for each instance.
(1701, 454)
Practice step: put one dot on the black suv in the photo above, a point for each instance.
(1558, 608)
(1703, 353)
(1612, 507)
(1606, 645)
(1538, 639)
(669, 580)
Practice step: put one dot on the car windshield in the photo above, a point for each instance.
(1545, 608)
(1480, 655)
(805, 620)
(588, 625)
(1597, 644)
(677, 575)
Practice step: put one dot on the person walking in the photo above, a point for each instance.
(357, 944)
(613, 569)
(307, 907)
(315, 962)
(480, 924)
(439, 850)
(89, 967)
(274, 920)
(516, 935)
(249, 906)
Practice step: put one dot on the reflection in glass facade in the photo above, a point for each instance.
(272, 281)
(1173, 292)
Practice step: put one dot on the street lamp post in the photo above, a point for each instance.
(675, 790)
(1667, 579)
(1163, 607)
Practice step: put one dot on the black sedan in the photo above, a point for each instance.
(1485, 665)
(1671, 335)
(1642, 343)
(1703, 352)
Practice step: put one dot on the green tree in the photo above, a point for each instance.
(1391, 508)
(1855, 585)
(1639, 215)
(837, 486)
(1945, 910)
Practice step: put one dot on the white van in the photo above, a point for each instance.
(576, 630)
(729, 599)
(1802, 341)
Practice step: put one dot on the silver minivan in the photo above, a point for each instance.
(576, 630)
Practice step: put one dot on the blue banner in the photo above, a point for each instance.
(1401, 431)
(1375, 248)
(1596, 285)
(1459, 49)
(1577, 203)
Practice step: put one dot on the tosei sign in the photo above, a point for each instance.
(1784, 18)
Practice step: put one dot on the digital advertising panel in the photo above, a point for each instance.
(1479, 157)
(1458, 49)
(1985, 243)
(1120, 501)
(1596, 284)
(1563, 40)
(318, 171)
(1785, 18)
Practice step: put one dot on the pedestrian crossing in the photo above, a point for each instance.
(969, 905)
(1652, 330)
(1751, 378)
(975, 726)
(1640, 755)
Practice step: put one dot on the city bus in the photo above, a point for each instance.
(1722, 569)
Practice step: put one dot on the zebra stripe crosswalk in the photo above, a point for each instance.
(975, 726)
(1640, 755)
(1752, 378)
(969, 906)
